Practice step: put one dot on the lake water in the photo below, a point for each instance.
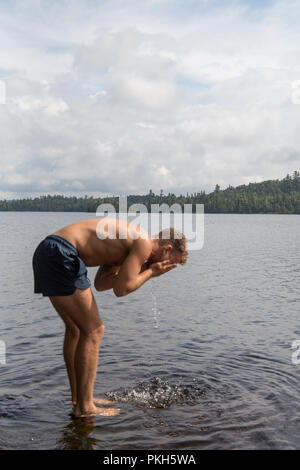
(199, 358)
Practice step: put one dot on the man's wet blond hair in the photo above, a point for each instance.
(176, 239)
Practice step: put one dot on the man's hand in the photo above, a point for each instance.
(161, 267)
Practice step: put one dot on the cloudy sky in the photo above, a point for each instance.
(120, 96)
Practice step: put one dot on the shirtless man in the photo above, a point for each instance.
(60, 264)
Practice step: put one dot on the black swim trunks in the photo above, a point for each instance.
(57, 267)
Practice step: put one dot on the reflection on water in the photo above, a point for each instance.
(197, 359)
(76, 435)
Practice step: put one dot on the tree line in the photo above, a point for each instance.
(267, 197)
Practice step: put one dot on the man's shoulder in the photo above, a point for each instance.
(142, 245)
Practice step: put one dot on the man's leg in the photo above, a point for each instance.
(72, 335)
(82, 310)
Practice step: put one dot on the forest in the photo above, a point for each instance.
(266, 197)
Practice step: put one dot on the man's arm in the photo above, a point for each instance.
(105, 277)
(133, 273)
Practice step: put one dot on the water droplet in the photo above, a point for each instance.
(154, 309)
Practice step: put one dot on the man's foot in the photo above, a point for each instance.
(96, 411)
(100, 401)
(103, 401)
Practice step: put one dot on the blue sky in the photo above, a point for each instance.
(121, 96)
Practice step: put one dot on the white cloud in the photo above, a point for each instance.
(50, 106)
(138, 91)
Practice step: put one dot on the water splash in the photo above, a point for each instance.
(159, 393)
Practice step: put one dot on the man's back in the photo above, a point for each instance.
(102, 240)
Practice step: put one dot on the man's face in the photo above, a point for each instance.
(167, 252)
